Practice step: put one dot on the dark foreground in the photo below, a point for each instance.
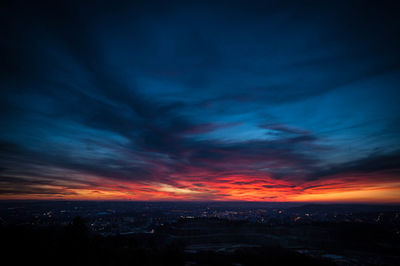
(353, 235)
(72, 246)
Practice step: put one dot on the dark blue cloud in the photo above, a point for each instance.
(146, 92)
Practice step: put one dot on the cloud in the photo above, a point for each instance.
(285, 129)
(389, 164)
(123, 97)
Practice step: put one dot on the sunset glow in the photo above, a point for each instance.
(225, 190)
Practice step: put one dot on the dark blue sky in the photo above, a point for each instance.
(272, 100)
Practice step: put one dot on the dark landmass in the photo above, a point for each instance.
(184, 233)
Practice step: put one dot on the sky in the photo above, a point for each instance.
(220, 100)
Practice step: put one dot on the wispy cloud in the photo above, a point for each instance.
(188, 102)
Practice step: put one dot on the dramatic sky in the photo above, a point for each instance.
(259, 101)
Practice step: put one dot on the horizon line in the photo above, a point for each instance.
(206, 201)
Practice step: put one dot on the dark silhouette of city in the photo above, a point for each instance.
(202, 233)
